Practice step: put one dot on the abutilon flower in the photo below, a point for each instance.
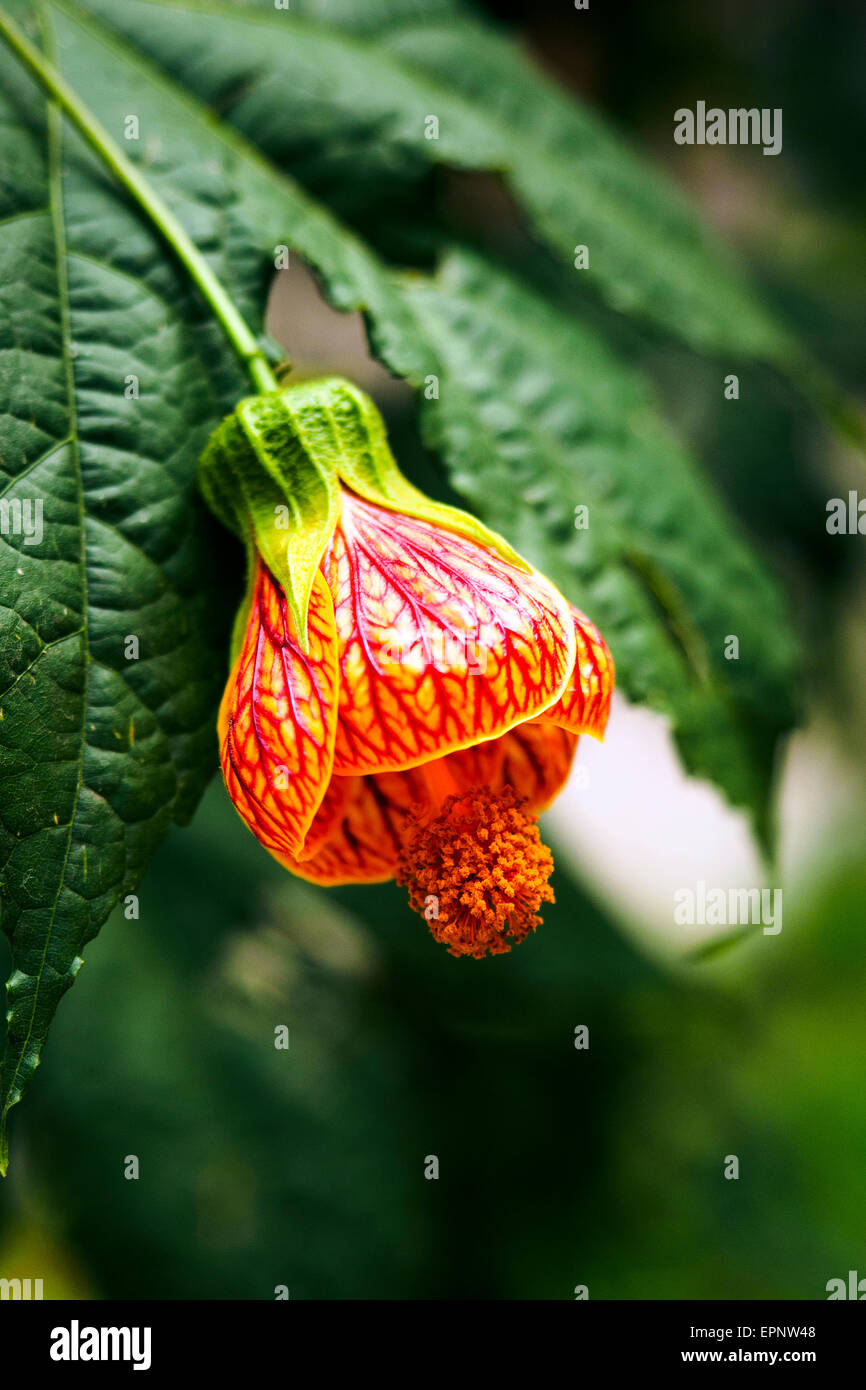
(406, 692)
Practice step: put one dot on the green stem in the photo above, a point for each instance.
(237, 330)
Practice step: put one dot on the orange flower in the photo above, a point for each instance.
(430, 710)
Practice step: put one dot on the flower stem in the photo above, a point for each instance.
(237, 330)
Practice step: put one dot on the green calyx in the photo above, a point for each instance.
(272, 473)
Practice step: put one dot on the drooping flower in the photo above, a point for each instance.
(406, 692)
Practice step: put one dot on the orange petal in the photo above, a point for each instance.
(585, 705)
(329, 815)
(358, 831)
(535, 759)
(278, 717)
(443, 642)
(536, 762)
(365, 844)
(480, 766)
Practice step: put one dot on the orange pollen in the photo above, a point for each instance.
(477, 871)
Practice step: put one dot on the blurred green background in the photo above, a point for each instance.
(558, 1167)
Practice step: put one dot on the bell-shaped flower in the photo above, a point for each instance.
(406, 692)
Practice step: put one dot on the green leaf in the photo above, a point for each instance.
(537, 418)
(324, 103)
(104, 739)
(362, 16)
(99, 753)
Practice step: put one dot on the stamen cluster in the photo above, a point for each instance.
(478, 872)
